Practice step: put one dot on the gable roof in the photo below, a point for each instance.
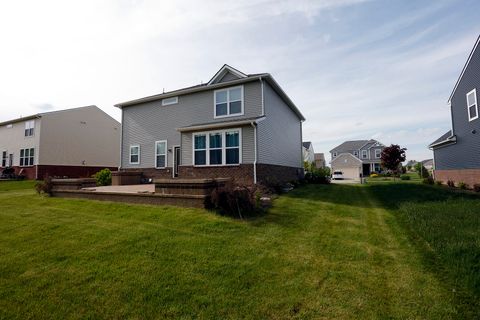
(39, 115)
(351, 145)
(427, 162)
(444, 139)
(223, 71)
(464, 68)
(307, 144)
(348, 155)
(206, 86)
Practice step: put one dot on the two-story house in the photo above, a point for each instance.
(357, 157)
(308, 152)
(237, 125)
(456, 153)
(74, 143)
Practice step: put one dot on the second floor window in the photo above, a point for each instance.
(355, 153)
(26, 157)
(364, 154)
(229, 102)
(472, 105)
(29, 128)
(378, 153)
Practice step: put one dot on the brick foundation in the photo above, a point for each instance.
(68, 171)
(468, 176)
(241, 174)
(270, 173)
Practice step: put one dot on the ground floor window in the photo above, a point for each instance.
(26, 157)
(161, 154)
(135, 154)
(4, 158)
(217, 147)
(376, 167)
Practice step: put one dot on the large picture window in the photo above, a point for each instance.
(26, 157)
(228, 102)
(29, 128)
(135, 154)
(472, 105)
(161, 154)
(217, 148)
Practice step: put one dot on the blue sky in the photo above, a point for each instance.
(356, 69)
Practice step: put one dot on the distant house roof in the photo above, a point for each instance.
(356, 145)
(446, 138)
(213, 84)
(39, 115)
(307, 144)
(428, 162)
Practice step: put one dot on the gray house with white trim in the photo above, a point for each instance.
(357, 157)
(237, 125)
(455, 153)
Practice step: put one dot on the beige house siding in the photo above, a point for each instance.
(79, 137)
(13, 139)
(348, 164)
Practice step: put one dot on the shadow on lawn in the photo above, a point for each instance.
(389, 195)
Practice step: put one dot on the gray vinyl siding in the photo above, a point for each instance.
(248, 149)
(228, 77)
(280, 134)
(465, 154)
(146, 123)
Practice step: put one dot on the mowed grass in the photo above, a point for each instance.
(327, 252)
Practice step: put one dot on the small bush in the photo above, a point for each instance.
(428, 180)
(404, 177)
(44, 186)
(374, 175)
(318, 176)
(476, 187)
(451, 184)
(438, 182)
(462, 185)
(103, 177)
(236, 201)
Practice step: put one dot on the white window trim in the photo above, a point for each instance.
(334, 154)
(28, 127)
(25, 158)
(228, 103)
(379, 154)
(474, 91)
(224, 148)
(130, 154)
(365, 152)
(6, 158)
(169, 101)
(9, 126)
(166, 154)
(355, 153)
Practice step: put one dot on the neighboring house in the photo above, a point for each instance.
(428, 164)
(357, 157)
(308, 153)
(75, 143)
(319, 160)
(411, 164)
(237, 125)
(455, 153)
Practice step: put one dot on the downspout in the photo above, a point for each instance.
(121, 144)
(255, 151)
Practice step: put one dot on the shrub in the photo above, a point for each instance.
(44, 186)
(103, 177)
(318, 176)
(404, 177)
(236, 201)
(374, 175)
(462, 185)
(476, 187)
(428, 180)
(451, 184)
(438, 182)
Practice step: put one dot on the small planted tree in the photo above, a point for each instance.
(392, 158)
(421, 170)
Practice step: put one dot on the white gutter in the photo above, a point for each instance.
(263, 97)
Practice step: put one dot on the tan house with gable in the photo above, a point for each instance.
(75, 143)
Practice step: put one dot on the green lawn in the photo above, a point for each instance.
(385, 250)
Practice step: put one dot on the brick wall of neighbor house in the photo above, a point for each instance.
(28, 172)
(67, 171)
(468, 176)
(242, 174)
